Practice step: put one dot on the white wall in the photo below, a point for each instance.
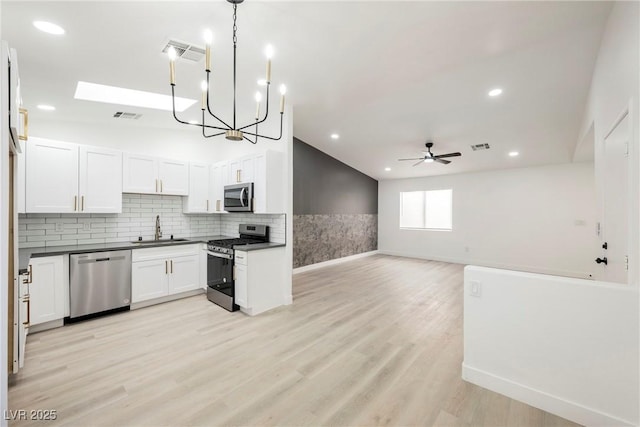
(615, 87)
(568, 346)
(539, 219)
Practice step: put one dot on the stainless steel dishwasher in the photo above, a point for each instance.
(99, 281)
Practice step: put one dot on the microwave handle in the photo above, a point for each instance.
(242, 196)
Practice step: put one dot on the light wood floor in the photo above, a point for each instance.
(377, 341)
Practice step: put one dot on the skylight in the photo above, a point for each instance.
(135, 98)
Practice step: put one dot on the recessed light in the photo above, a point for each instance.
(387, 169)
(46, 107)
(335, 136)
(428, 160)
(135, 98)
(495, 92)
(48, 27)
(513, 154)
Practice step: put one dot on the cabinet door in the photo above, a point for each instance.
(140, 174)
(241, 288)
(46, 290)
(198, 200)
(219, 175)
(100, 180)
(246, 169)
(174, 177)
(149, 279)
(184, 274)
(235, 167)
(52, 176)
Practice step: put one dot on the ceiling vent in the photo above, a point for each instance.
(479, 147)
(185, 50)
(123, 115)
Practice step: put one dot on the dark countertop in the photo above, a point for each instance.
(258, 246)
(26, 254)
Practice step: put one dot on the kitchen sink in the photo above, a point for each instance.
(158, 242)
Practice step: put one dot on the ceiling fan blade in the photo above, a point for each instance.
(444, 162)
(417, 158)
(421, 161)
(447, 155)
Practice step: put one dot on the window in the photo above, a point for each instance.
(426, 209)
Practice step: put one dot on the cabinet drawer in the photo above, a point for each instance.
(240, 258)
(147, 254)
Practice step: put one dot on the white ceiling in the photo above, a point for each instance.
(386, 76)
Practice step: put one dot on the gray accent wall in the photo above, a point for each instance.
(335, 208)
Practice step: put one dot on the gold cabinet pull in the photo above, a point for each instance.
(82, 203)
(234, 273)
(238, 175)
(217, 205)
(171, 266)
(27, 299)
(161, 186)
(25, 120)
(156, 185)
(75, 203)
(207, 205)
(166, 267)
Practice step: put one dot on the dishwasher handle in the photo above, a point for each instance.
(91, 261)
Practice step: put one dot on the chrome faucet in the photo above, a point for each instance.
(158, 234)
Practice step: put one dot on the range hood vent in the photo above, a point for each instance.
(185, 50)
(479, 147)
(124, 115)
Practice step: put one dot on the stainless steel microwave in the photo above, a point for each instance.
(238, 197)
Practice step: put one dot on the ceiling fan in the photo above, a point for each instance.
(429, 157)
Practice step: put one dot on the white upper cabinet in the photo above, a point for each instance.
(100, 180)
(150, 175)
(22, 178)
(174, 177)
(269, 192)
(199, 199)
(62, 177)
(242, 170)
(139, 174)
(52, 176)
(219, 177)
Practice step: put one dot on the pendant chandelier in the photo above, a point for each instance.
(232, 132)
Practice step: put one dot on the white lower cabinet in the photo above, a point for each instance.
(260, 279)
(46, 289)
(164, 271)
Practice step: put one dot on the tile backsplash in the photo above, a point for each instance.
(138, 218)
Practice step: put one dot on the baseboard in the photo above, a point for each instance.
(332, 262)
(540, 399)
(484, 263)
(167, 298)
(46, 326)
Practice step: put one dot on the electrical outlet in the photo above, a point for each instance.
(87, 226)
(59, 226)
(476, 288)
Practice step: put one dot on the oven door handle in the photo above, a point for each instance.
(218, 255)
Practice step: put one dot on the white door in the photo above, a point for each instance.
(149, 279)
(46, 289)
(140, 174)
(184, 274)
(100, 180)
(199, 197)
(174, 177)
(52, 176)
(615, 224)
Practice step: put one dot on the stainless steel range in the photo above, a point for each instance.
(220, 258)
